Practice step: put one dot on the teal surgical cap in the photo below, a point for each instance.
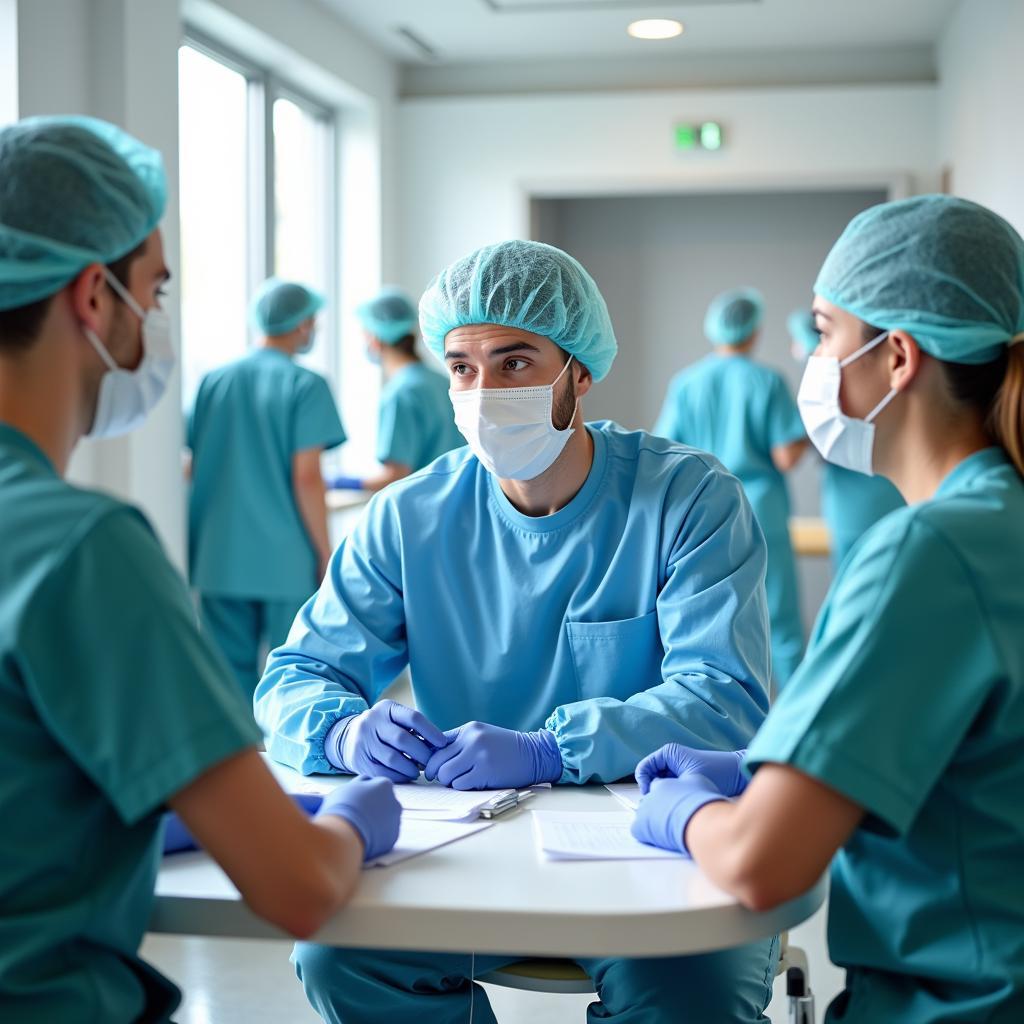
(389, 316)
(73, 191)
(528, 285)
(802, 329)
(280, 306)
(733, 316)
(947, 271)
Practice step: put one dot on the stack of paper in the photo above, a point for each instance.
(417, 836)
(591, 835)
(627, 793)
(430, 801)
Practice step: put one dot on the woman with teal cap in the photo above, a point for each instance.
(415, 424)
(896, 748)
(742, 412)
(850, 502)
(112, 705)
(258, 541)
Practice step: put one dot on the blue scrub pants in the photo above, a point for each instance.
(246, 630)
(363, 986)
(783, 607)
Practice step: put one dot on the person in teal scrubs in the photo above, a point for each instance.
(112, 705)
(567, 596)
(850, 502)
(895, 751)
(258, 541)
(415, 424)
(743, 412)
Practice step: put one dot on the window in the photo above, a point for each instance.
(257, 198)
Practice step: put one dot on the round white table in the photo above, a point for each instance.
(492, 893)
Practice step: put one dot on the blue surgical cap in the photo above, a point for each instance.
(733, 316)
(947, 271)
(528, 285)
(802, 329)
(73, 191)
(389, 316)
(280, 306)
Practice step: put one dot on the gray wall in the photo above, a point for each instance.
(659, 260)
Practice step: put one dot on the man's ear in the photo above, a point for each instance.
(89, 299)
(585, 380)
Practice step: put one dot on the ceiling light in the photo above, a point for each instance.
(655, 28)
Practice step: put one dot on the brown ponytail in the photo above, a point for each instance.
(1006, 420)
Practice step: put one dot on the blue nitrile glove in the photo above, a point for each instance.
(389, 740)
(370, 807)
(723, 767)
(482, 756)
(340, 482)
(663, 814)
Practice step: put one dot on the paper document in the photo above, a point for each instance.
(591, 835)
(431, 800)
(627, 793)
(417, 836)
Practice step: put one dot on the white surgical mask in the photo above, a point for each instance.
(127, 396)
(842, 440)
(510, 430)
(307, 346)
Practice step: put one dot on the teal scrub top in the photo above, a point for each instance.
(739, 411)
(910, 702)
(417, 422)
(852, 503)
(246, 535)
(633, 616)
(110, 703)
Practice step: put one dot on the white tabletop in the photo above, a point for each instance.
(492, 893)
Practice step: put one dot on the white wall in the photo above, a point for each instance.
(980, 108)
(471, 162)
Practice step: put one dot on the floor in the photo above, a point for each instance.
(251, 982)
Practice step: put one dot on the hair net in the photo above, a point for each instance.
(529, 285)
(801, 327)
(948, 271)
(280, 306)
(733, 316)
(389, 316)
(73, 191)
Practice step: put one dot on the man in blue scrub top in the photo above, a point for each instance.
(743, 413)
(258, 540)
(112, 705)
(415, 424)
(567, 597)
(851, 502)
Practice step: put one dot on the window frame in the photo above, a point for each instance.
(263, 88)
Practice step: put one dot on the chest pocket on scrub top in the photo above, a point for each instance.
(616, 659)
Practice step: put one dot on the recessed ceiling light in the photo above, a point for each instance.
(655, 28)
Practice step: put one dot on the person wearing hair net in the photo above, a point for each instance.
(895, 751)
(850, 502)
(743, 412)
(415, 424)
(258, 542)
(112, 705)
(567, 596)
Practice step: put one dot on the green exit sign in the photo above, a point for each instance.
(705, 135)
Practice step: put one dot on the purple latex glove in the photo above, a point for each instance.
(724, 768)
(341, 482)
(663, 814)
(482, 756)
(370, 807)
(389, 740)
